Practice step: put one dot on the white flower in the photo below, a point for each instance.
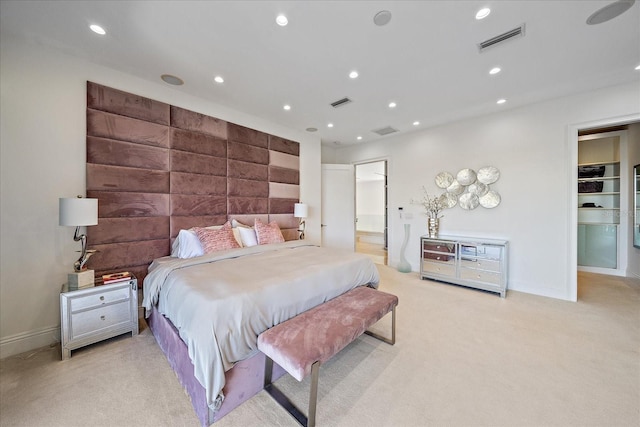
(433, 205)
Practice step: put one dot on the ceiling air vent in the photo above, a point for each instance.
(340, 102)
(385, 131)
(516, 32)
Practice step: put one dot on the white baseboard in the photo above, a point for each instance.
(26, 341)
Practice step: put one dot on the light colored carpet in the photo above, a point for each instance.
(462, 358)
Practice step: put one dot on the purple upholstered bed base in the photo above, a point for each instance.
(242, 382)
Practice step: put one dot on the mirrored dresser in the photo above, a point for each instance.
(472, 262)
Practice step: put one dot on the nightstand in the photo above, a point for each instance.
(97, 313)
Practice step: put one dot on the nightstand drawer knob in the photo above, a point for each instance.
(102, 298)
(101, 317)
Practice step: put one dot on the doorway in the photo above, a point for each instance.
(371, 210)
(624, 254)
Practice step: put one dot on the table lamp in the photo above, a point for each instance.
(78, 212)
(301, 210)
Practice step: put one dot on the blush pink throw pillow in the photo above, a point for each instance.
(268, 233)
(216, 240)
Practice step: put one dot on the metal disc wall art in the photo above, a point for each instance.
(468, 201)
(469, 189)
(466, 176)
(455, 188)
(488, 175)
(490, 200)
(449, 200)
(478, 189)
(444, 179)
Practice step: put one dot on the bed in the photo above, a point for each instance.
(219, 303)
(159, 171)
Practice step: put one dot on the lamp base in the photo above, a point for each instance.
(81, 279)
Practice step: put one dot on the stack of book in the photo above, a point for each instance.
(116, 277)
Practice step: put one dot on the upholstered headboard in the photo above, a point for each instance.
(157, 168)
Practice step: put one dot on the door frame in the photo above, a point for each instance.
(572, 195)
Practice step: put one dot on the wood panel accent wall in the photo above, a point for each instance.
(157, 168)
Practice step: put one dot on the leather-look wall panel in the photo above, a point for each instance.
(285, 176)
(237, 133)
(126, 104)
(116, 204)
(195, 142)
(244, 170)
(111, 152)
(182, 161)
(114, 230)
(192, 183)
(198, 205)
(112, 126)
(117, 178)
(284, 145)
(190, 120)
(156, 169)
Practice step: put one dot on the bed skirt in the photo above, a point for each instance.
(243, 381)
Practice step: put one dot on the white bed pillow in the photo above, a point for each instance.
(187, 244)
(248, 236)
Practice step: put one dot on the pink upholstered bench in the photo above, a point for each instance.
(302, 343)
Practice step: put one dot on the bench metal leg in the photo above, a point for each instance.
(391, 341)
(284, 401)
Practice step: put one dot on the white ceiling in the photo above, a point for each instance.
(425, 59)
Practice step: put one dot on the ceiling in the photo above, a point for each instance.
(425, 59)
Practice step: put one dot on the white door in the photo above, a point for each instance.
(338, 206)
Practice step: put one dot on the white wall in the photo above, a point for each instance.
(531, 147)
(370, 206)
(42, 134)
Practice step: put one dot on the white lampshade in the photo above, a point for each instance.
(76, 211)
(300, 210)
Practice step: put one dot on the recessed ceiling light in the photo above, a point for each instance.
(495, 70)
(97, 29)
(172, 80)
(392, 105)
(312, 129)
(359, 138)
(638, 68)
(218, 79)
(353, 74)
(382, 18)
(287, 107)
(416, 123)
(483, 13)
(282, 20)
(501, 101)
(330, 125)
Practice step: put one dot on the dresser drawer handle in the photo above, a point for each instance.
(101, 297)
(101, 317)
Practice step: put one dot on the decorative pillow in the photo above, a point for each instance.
(247, 236)
(216, 240)
(187, 244)
(268, 233)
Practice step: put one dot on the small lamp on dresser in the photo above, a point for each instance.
(301, 210)
(79, 212)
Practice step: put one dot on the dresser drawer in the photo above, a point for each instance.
(107, 296)
(439, 268)
(481, 264)
(92, 321)
(481, 276)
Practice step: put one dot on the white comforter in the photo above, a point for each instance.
(221, 302)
